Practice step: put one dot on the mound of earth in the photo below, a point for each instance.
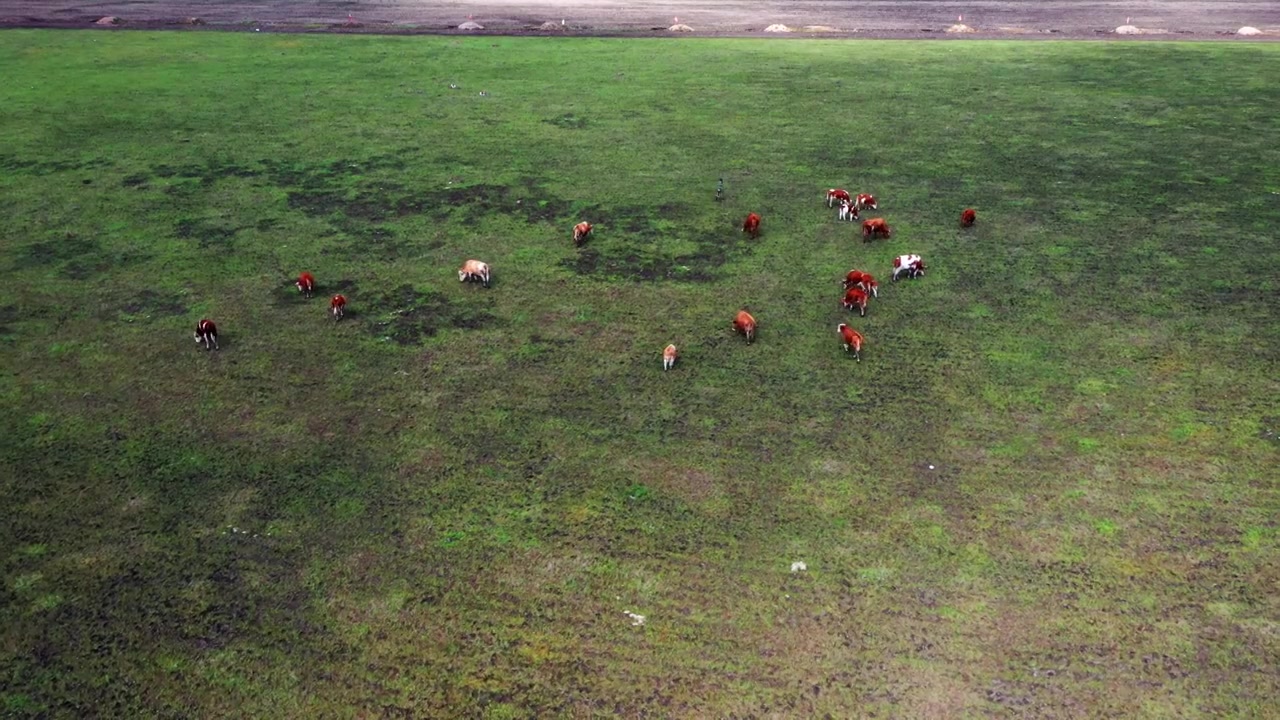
(193, 21)
(820, 28)
(960, 29)
(1128, 30)
(108, 20)
(469, 25)
(680, 28)
(548, 25)
(1248, 30)
(777, 28)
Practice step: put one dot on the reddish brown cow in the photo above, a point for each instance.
(865, 202)
(874, 227)
(306, 284)
(854, 297)
(669, 355)
(580, 232)
(852, 340)
(207, 333)
(835, 195)
(751, 225)
(745, 324)
(338, 306)
(968, 217)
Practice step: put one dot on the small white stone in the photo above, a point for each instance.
(930, 467)
(798, 565)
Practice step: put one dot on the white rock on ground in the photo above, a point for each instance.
(960, 29)
(798, 565)
(1128, 30)
(469, 25)
(1248, 30)
(777, 28)
(680, 28)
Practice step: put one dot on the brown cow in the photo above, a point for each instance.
(874, 227)
(207, 333)
(852, 340)
(854, 297)
(669, 355)
(968, 217)
(751, 225)
(580, 232)
(746, 325)
(338, 306)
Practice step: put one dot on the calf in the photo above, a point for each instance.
(669, 355)
(835, 195)
(852, 340)
(338, 306)
(968, 217)
(848, 211)
(474, 270)
(306, 284)
(912, 265)
(580, 232)
(865, 202)
(874, 227)
(751, 225)
(854, 297)
(746, 325)
(207, 333)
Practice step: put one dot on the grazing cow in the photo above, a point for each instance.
(306, 284)
(912, 265)
(865, 202)
(835, 195)
(848, 211)
(874, 227)
(968, 217)
(580, 232)
(746, 325)
(853, 278)
(852, 340)
(338, 306)
(207, 333)
(751, 225)
(474, 270)
(869, 284)
(669, 355)
(854, 297)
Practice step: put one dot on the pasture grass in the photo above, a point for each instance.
(1048, 488)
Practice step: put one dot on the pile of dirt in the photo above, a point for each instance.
(820, 28)
(551, 26)
(1128, 30)
(960, 29)
(777, 28)
(681, 27)
(469, 25)
(108, 20)
(193, 21)
(1248, 30)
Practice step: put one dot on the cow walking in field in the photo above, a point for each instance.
(848, 211)
(852, 340)
(207, 333)
(338, 306)
(968, 218)
(836, 195)
(751, 225)
(873, 227)
(306, 284)
(669, 355)
(746, 325)
(475, 271)
(580, 232)
(865, 202)
(862, 280)
(855, 297)
(911, 265)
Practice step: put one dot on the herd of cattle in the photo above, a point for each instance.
(859, 286)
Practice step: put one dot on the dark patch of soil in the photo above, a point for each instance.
(568, 121)
(150, 303)
(407, 316)
(205, 233)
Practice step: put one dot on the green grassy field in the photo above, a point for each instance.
(1049, 489)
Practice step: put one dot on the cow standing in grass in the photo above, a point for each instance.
(745, 324)
(968, 218)
(855, 297)
(580, 232)
(207, 333)
(859, 279)
(306, 284)
(338, 306)
(669, 355)
(836, 195)
(911, 265)
(875, 227)
(848, 211)
(475, 271)
(852, 340)
(865, 202)
(751, 225)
